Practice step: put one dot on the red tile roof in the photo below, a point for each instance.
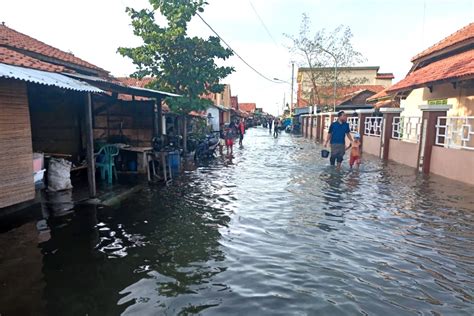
(382, 94)
(141, 83)
(343, 94)
(458, 66)
(462, 35)
(387, 75)
(248, 107)
(11, 57)
(13, 39)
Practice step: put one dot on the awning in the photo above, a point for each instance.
(45, 78)
(116, 86)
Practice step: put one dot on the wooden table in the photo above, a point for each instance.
(150, 155)
(145, 152)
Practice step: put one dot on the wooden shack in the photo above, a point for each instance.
(53, 102)
(16, 168)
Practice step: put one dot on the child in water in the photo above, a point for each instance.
(356, 151)
(229, 140)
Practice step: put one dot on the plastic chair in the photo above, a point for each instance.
(106, 162)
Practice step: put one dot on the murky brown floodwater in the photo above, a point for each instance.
(275, 232)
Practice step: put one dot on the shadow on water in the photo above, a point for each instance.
(273, 230)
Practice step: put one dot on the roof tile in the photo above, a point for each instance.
(459, 36)
(11, 57)
(248, 107)
(13, 39)
(453, 67)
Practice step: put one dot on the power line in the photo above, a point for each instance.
(263, 24)
(235, 53)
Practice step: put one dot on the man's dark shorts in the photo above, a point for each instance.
(337, 152)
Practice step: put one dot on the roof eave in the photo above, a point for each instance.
(431, 83)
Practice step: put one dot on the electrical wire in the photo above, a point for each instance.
(263, 24)
(235, 53)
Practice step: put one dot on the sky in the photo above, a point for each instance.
(387, 32)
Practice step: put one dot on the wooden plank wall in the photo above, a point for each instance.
(16, 154)
(135, 119)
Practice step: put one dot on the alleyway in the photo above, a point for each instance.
(276, 231)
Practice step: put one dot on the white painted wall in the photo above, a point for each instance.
(215, 118)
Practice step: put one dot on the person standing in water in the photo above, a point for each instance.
(356, 151)
(337, 137)
(241, 130)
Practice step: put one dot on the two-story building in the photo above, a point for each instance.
(354, 85)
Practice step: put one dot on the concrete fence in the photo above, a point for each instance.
(432, 143)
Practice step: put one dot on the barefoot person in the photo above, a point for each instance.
(229, 141)
(337, 137)
(356, 151)
(241, 130)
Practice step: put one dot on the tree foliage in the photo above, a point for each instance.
(320, 52)
(179, 63)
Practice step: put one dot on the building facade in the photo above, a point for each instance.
(354, 86)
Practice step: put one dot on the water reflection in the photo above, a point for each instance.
(273, 231)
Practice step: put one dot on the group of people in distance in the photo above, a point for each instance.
(228, 134)
(337, 133)
(276, 124)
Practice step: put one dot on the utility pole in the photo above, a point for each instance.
(284, 101)
(292, 86)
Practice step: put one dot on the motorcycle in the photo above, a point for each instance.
(207, 147)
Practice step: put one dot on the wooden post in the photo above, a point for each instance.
(428, 133)
(310, 127)
(90, 146)
(185, 134)
(388, 115)
(158, 120)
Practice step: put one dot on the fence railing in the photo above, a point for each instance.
(406, 128)
(373, 126)
(353, 124)
(327, 123)
(455, 132)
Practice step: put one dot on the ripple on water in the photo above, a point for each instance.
(275, 232)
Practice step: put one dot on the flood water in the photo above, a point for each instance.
(275, 231)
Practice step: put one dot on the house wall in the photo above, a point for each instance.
(371, 145)
(403, 152)
(132, 119)
(367, 75)
(56, 120)
(383, 82)
(461, 98)
(215, 122)
(16, 160)
(314, 122)
(454, 164)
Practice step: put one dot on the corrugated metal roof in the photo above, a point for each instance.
(132, 90)
(45, 78)
(221, 107)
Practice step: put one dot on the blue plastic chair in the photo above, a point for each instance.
(106, 162)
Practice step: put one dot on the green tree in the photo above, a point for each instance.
(179, 63)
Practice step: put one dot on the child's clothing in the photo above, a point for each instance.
(229, 137)
(355, 153)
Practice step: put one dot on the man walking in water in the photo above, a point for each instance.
(337, 137)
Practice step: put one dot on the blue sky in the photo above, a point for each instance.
(387, 32)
